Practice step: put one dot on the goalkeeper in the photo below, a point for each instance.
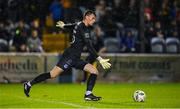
(71, 56)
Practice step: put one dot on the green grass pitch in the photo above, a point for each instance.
(161, 95)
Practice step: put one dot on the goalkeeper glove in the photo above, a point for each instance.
(104, 62)
(60, 24)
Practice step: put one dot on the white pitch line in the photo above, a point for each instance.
(55, 102)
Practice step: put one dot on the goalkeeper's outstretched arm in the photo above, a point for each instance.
(62, 25)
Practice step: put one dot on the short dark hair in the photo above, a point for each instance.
(89, 12)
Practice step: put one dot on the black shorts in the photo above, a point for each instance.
(90, 59)
(68, 62)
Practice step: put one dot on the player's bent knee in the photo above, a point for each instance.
(91, 69)
(56, 71)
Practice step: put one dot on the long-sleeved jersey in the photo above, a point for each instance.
(80, 38)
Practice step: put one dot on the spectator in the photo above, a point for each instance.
(21, 35)
(149, 32)
(98, 40)
(172, 27)
(9, 27)
(3, 38)
(3, 31)
(158, 31)
(35, 24)
(56, 10)
(158, 28)
(34, 43)
(129, 41)
(71, 12)
(110, 26)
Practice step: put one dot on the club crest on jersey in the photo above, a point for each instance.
(66, 66)
(87, 35)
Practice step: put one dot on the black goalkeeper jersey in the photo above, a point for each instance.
(80, 38)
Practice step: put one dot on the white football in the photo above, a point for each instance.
(139, 96)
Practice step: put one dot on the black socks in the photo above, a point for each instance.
(91, 82)
(41, 77)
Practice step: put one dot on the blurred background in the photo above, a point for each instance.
(140, 36)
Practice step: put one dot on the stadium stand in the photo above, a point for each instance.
(112, 45)
(162, 15)
(157, 45)
(172, 45)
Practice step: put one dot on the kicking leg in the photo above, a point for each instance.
(42, 77)
(90, 83)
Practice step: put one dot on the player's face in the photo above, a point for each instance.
(91, 19)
